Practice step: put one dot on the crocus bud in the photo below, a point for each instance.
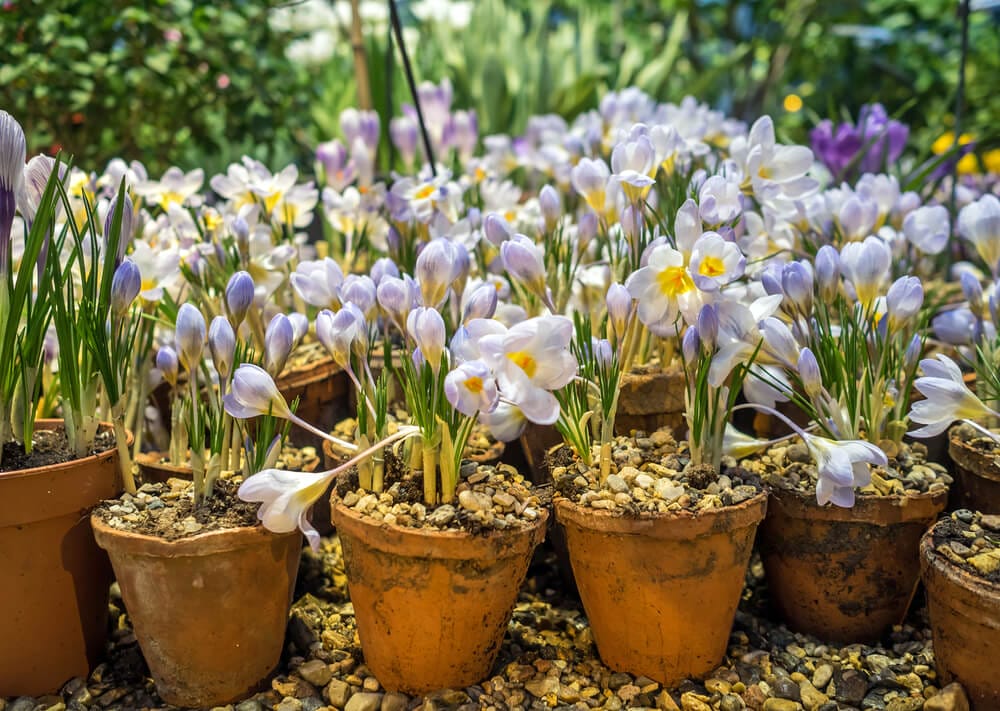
(12, 154)
(435, 270)
(241, 231)
(632, 224)
(914, 352)
(809, 373)
(708, 326)
(523, 260)
(277, 343)
(691, 345)
(395, 297)
(904, 300)
(482, 303)
(239, 297)
(166, 363)
(496, 229)
(254, 393)
(797, 283)
(125, 234)
(550, 204)
(771, 284)
(973, 292)
(586, 230)
(125, 286)
(337, 332)
(828, 272)
(360, 291)
(426, 327)
(619, 305)
(995, 305)
(602, 351)
(405, 133)
(382, 268)
(300, 327)
(222, 344)
(189, 335)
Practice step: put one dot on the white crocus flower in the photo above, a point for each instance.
(159, 269)
(663, 288)
(946, 398)
(866, 264)
(318, 282)
(979, 223)
(927, 228)
(175, 188)
(285, 499)
(841, 466)
(715, 262)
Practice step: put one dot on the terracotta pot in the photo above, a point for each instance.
(154, 470)
(323, 390)
(845, 575)
(54, 594)
(661, 590)
(209, 611)
(432, 607)
(649, 401)
(965, 622)
(536, 441)
(977, 476)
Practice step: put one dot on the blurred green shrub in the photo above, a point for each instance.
(167, 81)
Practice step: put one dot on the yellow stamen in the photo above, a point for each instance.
(674, 281)
(525, 361)
(424, 192)
(712, 267)
(474, 384)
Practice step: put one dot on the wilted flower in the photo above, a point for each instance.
(285, 499)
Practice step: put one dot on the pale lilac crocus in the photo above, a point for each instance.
(947, 399)
(471, 388)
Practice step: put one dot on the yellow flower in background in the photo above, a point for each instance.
(793, 103)
(991, 161)
(968, 165)
(946, 140)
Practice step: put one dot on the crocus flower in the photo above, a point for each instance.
(827, 266)
(125, 285)
(550, 203)
(436, 268)
(927, 228)
(278, 340)
(396, 297)
(842, 465)
(530, 360)
(166, 363)
(239, 297)
(254, 393)
(426, 328)
(12, 153)
(590, 180)
(318, 283)
(663, 287)
(471, 388)
(481, 303)
(946, 398)
(189, 335)
(618, 301)
(979, 223)
(525, 262)
(715, 262)
(903, 301)
(405, 135)
(337, 332)
(222, 345)
(866, 265)
(286, 498)
(719, 200)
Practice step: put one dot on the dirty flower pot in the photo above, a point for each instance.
(977, 475)
(54, 594)
(155, 469)
(965, 622)
(661, 590)
(648, 401)
(209, 611)
(432, 606)
(845, 575)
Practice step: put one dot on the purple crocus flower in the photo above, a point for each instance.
(878, 138)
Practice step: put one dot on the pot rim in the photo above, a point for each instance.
(60, 468)
(200, 544)
(931, 559)
(434, 543)
(686, 524)
(876, 510)
(966, 456)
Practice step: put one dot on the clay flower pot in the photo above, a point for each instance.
(965, 623)
(154, 469)
(661, 590)
(977, 476)
(209, 611)
(648, 401)
(54, 596)
(432, 606)
(845, 575)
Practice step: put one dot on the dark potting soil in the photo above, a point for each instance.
(972, 541)
(174, 516)
(49, 447)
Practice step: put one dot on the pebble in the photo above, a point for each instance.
(950, 698)
(364, 701)
(776, 704)
(616, 484)
(822, 676)
(316, 672)
(337, 692)
(394, 701)
(474, 500)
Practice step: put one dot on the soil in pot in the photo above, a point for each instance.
(961, 570)
(976, 469)
(847, 575)
(462, 563)
(207, 589)
(54, 598)
(659, 551)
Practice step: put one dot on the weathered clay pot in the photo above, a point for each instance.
(661, 590)
(977, 476)
(965, 623)
(844, 575)
(54, 594)
(209, 611)
(432, 607)
(651, 400)
(153, 469)
(322, 388)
